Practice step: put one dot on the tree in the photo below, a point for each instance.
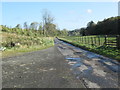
(90, 28)
(90, 24)
(40, 26)
(34, 25)
(47, 22)
(64, 32)
(83, 31)
(25, 25)
(18, 26)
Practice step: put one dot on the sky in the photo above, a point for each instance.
(68, 15)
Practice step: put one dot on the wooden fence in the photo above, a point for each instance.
(106, 40)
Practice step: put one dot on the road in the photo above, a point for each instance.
(61, 66)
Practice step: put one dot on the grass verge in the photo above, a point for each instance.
(105, 51)
(19, 44)
(19, 51)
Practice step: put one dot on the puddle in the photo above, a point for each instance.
(91, 55)
(89, 70)
(114, 68)
(51, 69)
(68, 44)
(73, 59)
(95, 59)
(72, 63)
(110, 65)
(82, 68)
(78, 53)
(22, 65)
(95, 77)
(77, 65)
(61, 47)
(108, 60)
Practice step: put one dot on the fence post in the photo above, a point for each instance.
(85, 39)
(99, 40)
(88, 39)
(118, 41)
(82, 39)
(95, 40)
(92, 41)
(105, 43)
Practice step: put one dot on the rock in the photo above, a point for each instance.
(2, 48)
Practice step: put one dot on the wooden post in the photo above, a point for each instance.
(95, 40)
(92, 41)
(99, 40)
(105, 43)
(118, 41)
(82, 39)
(88, 39)
(85, 39)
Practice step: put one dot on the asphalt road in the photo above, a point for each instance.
(40, 69)
(61, 66)
(95, 71)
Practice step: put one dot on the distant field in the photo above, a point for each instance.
(98, 44)
(19, 43)
(92, 40)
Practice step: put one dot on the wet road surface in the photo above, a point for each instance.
(61, 66)
(40, 69)
(95, 71)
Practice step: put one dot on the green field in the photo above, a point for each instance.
(92, 40)
(95, 44)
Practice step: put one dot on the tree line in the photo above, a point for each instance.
(45, 28)
(110, 26)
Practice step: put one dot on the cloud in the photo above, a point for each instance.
(89, 11)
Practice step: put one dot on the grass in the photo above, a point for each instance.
(14, 52)
(107, 51)
(26, 44)
(92, 40)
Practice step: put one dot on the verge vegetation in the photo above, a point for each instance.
(17, 44)
(101, 49)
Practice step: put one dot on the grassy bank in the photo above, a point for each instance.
(14, 52)
(102, 50)
(18, 44)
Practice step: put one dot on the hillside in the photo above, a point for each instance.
(14, 43)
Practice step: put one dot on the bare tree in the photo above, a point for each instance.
(25, 25)
(47, 20)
